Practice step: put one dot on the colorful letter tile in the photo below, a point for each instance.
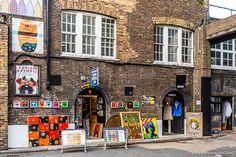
(33, 104)
(56, 104)
(64, 104)
(25, 104)
(16, 104)
(113, 105)
(48, 104)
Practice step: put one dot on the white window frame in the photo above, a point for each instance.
(98, 33)
(179, 49)
(221, 50)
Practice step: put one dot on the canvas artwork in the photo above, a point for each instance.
(48, 104)
(150, 129)
(27, 36)
(46, 130)
(25, 104)
(98, 130)
(132, 121)
(42, 104)
(31, 8)
(26, 80)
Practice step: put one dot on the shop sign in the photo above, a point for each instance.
(73, 137)
(27, 80)
(113, 105)
(95, 77)
(194, 124)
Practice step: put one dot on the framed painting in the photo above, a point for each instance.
(132, 121)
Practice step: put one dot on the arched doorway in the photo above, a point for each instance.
(173, 111)
(90, 109)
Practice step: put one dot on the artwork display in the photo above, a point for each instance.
(44, 131)
(113, 105)
(26, 80)
(27, 36)
(136, 104)
(98, 130)
(42, 104)
(47, 104)
(132, 121)
(56, 104)
(25, 104)
(150, 129)
(194, 124)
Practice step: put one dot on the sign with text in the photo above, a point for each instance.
(26, 80)
(194, 124)
(95, 76)
(115, 135)
(73, 137)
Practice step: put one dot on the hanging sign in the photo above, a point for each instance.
(26, 80)
(194, 124)
(95, 76)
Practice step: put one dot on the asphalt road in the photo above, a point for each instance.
(221, 147)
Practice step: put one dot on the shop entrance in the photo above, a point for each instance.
(221, 114)
(90, 112)
(173, 113)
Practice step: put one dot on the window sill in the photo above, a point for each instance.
(88, 57)
(219, 67)
(173, 64)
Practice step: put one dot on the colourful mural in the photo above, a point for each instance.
(27, 36)
(32, 8)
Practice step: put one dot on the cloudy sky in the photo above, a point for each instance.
(222, 13)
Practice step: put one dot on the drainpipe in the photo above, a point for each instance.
(48, 44)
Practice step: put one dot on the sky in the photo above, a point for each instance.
(222, 13)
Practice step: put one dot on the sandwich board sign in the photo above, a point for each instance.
(115, 135)
(73, 137)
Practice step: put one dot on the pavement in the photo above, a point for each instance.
(92, 144)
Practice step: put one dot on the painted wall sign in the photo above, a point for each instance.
(27, 36)
(27, 80)
(194, 124)
(95, 76)
(132, 121)
(32, 8)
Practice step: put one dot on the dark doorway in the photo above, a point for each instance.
(173, 113)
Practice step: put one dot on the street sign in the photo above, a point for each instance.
(95, 76)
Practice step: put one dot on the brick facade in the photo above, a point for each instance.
(3, 86)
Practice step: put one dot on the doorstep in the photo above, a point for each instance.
(99, 143)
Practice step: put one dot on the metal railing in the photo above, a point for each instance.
(229, 10)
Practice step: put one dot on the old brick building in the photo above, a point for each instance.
(139, 47)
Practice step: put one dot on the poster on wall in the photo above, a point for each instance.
(26, 80)
(150, 129)
(132, 121)
(31, 8)
(194, 124)
(27, 36)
